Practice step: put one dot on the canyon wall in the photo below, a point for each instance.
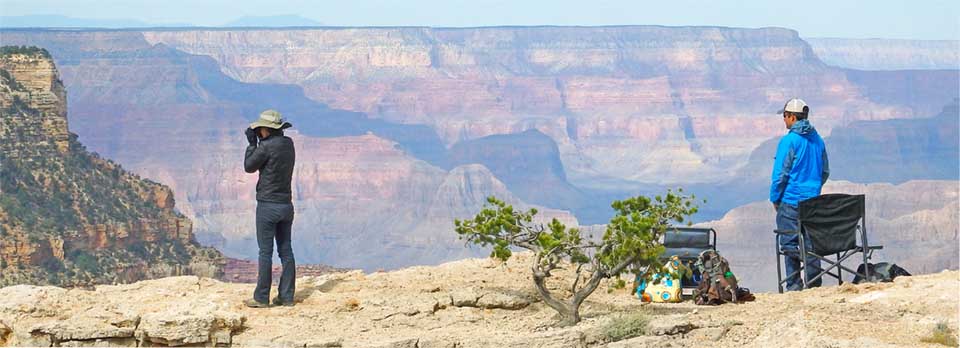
(69, 217)
(640, 103)
(182, 124)
(887, 54)
(401, 130)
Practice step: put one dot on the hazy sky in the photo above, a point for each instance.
(918, 19)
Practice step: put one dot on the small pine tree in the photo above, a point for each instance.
(631, 240)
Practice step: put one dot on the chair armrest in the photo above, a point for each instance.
(875, 247)
(785, 231)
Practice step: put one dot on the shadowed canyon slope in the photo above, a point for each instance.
(67, 216)
(398, 128)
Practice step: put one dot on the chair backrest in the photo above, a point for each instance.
(688, 242)
(831, 221)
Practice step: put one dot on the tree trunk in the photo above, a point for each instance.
(569, 310)
(570, 316)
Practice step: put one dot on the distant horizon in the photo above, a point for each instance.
(929, 20)
(161, 27)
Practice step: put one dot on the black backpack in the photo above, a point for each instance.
(881, 271)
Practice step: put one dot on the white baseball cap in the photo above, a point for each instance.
(795, 105)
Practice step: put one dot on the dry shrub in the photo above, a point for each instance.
(626, 326)
(942, 334)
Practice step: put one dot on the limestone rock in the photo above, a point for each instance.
(466, 297)
(669, 326)
(93, 324)
(641, 342)
(404, 343)
(193, 311)
(503, 300)
(189, 326)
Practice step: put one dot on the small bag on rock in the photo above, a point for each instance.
(881, 271)
(719, 284)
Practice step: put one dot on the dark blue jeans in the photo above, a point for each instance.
(787, 220)
(274, 221)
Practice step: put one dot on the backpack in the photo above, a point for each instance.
(881, 271)
(718, 285)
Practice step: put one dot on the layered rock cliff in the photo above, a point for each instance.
(895, 151)
(367, 184)
(887, 54)
(620, 102)
(630, 109)
(360, 203)
(68, 216)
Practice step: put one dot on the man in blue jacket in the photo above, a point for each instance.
(799, 172)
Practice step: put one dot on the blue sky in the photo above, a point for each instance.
(929, 19)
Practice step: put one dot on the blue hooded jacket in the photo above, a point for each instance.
(801, 167)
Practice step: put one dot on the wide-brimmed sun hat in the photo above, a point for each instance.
(271, 119)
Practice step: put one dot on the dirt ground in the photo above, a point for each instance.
(469, 303)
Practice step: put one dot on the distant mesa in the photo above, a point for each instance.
(887, 54)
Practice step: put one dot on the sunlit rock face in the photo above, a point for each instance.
(647, 104)
(71, 217)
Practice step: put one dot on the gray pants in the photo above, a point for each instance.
(274, 221)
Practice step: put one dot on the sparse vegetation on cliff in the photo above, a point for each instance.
(25, 50)
(67, 216)
(631, 241)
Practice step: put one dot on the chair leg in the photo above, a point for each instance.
(779, 274)
(803, 260)
(839, 272)
(866, 268)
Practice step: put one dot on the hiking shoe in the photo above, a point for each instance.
(278, 302)
(255, 304)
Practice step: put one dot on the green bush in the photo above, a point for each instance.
(8, 50)
(632, 240)
(85, 261)
(626, 326)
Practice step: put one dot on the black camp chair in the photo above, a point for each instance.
(687, 243)
(829, 226)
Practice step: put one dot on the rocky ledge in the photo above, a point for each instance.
(469, 303)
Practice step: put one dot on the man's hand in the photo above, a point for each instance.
(776, 207)
(251, 136)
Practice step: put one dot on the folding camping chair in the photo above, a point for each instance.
(686, 243)
(829, 226)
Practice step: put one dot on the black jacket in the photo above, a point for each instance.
(274, 158)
